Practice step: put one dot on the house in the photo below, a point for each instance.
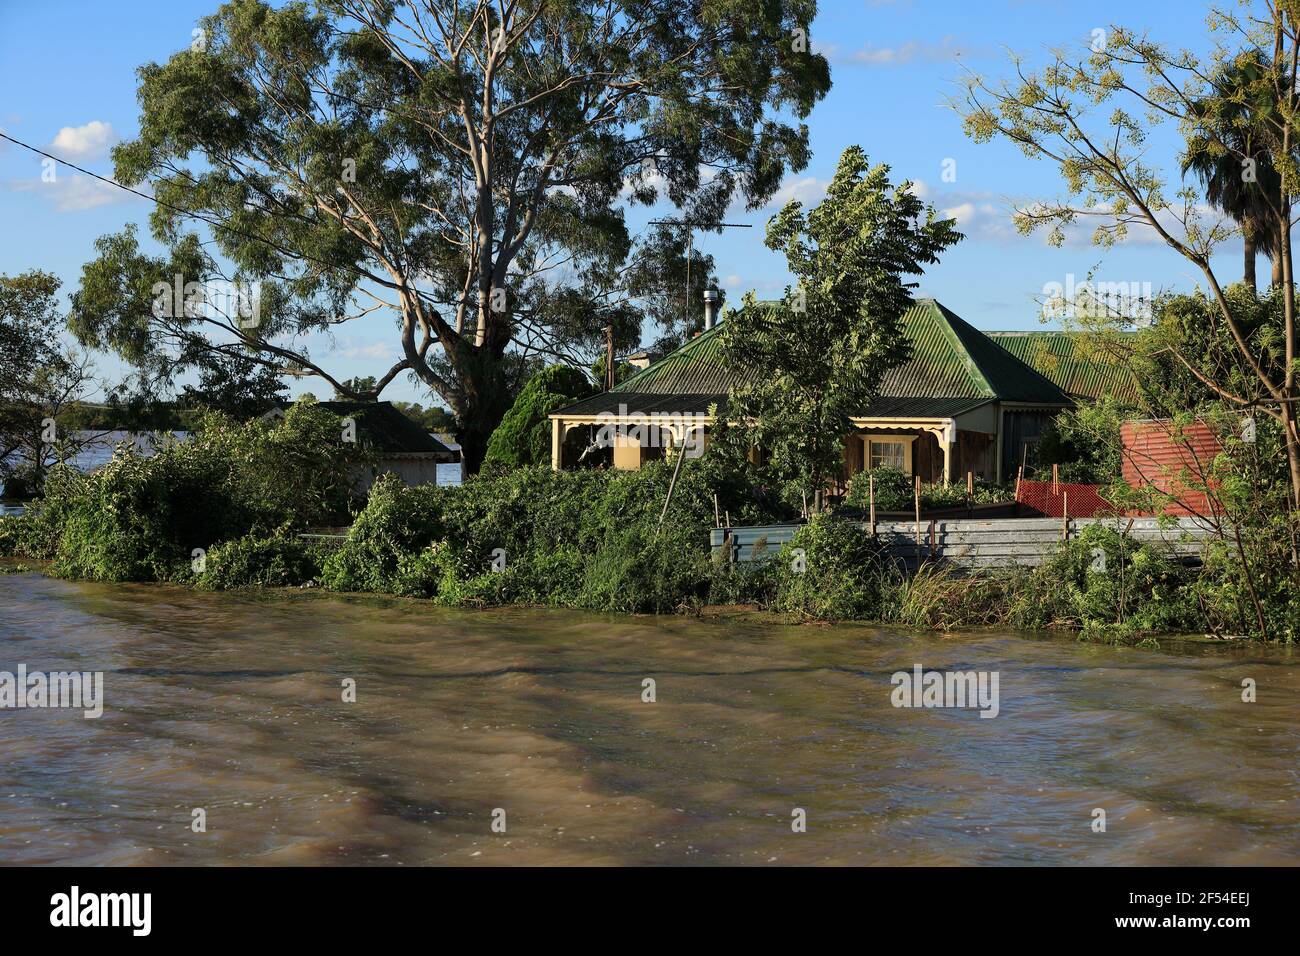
(960, 403)
(399, 445)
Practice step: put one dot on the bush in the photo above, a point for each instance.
(140, 519)
(252, 561)
(589, 539)
(523, 437)
(831, 569)
(894, 492)
(1137, 589)
(1085, 442)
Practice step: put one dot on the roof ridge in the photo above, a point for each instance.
(970, 365)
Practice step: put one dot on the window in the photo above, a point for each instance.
(888, 454)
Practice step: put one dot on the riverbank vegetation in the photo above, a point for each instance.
(226, 510)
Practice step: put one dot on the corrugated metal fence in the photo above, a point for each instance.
(966, 543)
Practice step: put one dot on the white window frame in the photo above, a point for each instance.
(905, 440)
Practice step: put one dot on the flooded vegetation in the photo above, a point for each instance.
(232, 702)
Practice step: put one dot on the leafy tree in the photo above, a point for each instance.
(524, 436)
(40, 380)
(818, 358)
(360, 385)
(459, 163)
(1085, 442)
(1111, 174)
(234, 384)
(431, 419)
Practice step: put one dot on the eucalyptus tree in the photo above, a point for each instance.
(807, 365)
(41, 379)
(459, 165)
(1092, 116)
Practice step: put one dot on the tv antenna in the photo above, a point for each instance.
(691, 225)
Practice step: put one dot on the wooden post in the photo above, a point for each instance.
(717, 518)
(970, 482)
(728, 519)
(1056, 478)
(1065, 516)
(557, 444)
(1020, 473)
(677, 469)
(871, 497)
(916, 496)
(931, 537)
(805, 505)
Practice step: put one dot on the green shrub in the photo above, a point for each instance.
(830, 570)
(894, 492)
(588, 539)
(1085, 442)
(141, 519)
(277, 561)
(651, 573)
(1137, 589)
(523, 437)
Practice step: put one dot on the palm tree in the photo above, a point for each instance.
(1234, 128)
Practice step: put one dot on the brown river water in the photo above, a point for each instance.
(233, 703)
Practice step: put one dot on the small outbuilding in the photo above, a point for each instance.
(398, 444)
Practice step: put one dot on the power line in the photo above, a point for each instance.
(216, 224)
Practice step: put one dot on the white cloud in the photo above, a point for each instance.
(374, 350)
(73, 192)
(979, 215)
(84, 142)
(946, 50)
(808, 190)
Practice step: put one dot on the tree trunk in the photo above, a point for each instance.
(1277, 271)
(483, 403)
(1248, 273)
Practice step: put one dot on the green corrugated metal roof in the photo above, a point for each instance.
(950, 359)
(1078, 363)
(896, 407)
(644, 403)
(695, 368)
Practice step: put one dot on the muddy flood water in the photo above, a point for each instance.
(232, 703)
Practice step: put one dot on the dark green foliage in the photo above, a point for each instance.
(587, 539)
(253, 561)
(40, 379)
(1085, 442)
(237, 385)
(524, 436)
(1105, 581)
(140, 519)
(894, 492)
(831, 570)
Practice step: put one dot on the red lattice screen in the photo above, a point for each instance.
(1051, 501)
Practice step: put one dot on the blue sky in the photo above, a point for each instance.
(67, 69)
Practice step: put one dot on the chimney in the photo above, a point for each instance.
(710, 308)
